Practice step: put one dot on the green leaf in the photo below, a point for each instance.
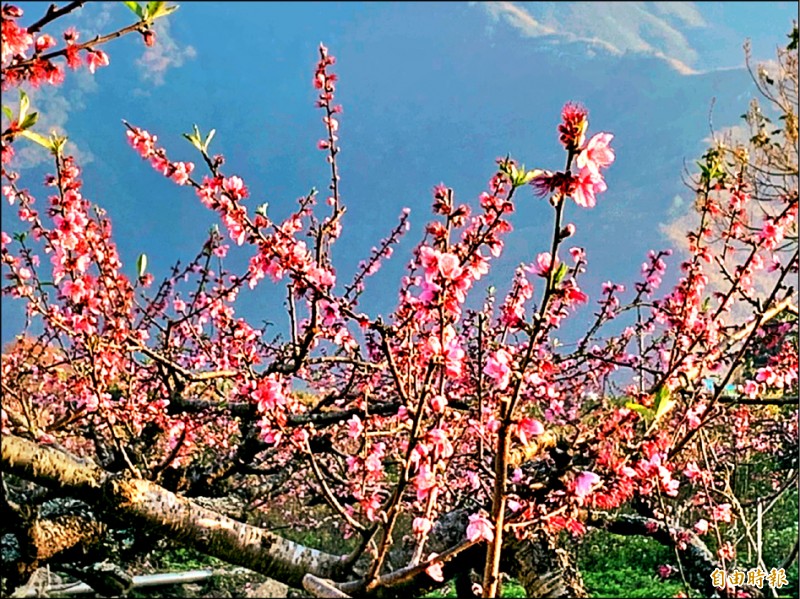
(209, 138)
(643, 410)
(505, 165)
(24, 104)
(154, 7)
(39, 139)
(30, 120)
(664, 402)
(531, 175)
(156, 10)
(194, 138)
(560, 273)
(8, 113)
(58, 143)
(141, 265)
(137, 10)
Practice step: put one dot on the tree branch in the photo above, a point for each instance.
(142, 503)
(698, 561)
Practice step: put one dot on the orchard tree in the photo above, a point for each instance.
(453, 438)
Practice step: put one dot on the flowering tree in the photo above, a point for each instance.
(452, 434)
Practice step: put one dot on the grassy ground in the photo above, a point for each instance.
(611, 566)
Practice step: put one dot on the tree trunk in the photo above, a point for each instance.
(543, 569)
(143, 503)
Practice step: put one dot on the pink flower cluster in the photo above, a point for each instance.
(145, 144)
(39, 68)
(591, 157)
(15, 39)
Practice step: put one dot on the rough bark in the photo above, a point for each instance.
(45, 538)
(143, 503)
(542, 568)
(44, 535)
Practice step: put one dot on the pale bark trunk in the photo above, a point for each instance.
(146, 504)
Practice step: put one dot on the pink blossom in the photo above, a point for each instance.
(354, 427)
(722, 512)
(374, 462)
(429, 260)
(424, 481)
(597, 154)
(588, 184)
(573, 295)
(329, 312)
(528, 427)
(578, 254)
(16, 40)
(235, 188)
(574, 121)
(96, 58)
(421, 526)
(268, 395)
(497, 368)
(442, 447)
(434, 570)
(438, 403)
(371, 505)
(480, 529)
(544, 262)
(771, 234)
(584, 484)
(44, 42)
(693, 416)
(767, 375)
(701, 526)
(181, 172)
(449, 266)
(666, 571)
(692, 471)
(750, 389)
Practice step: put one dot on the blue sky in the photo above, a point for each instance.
(432, 92)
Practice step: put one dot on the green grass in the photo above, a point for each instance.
(511, 589)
